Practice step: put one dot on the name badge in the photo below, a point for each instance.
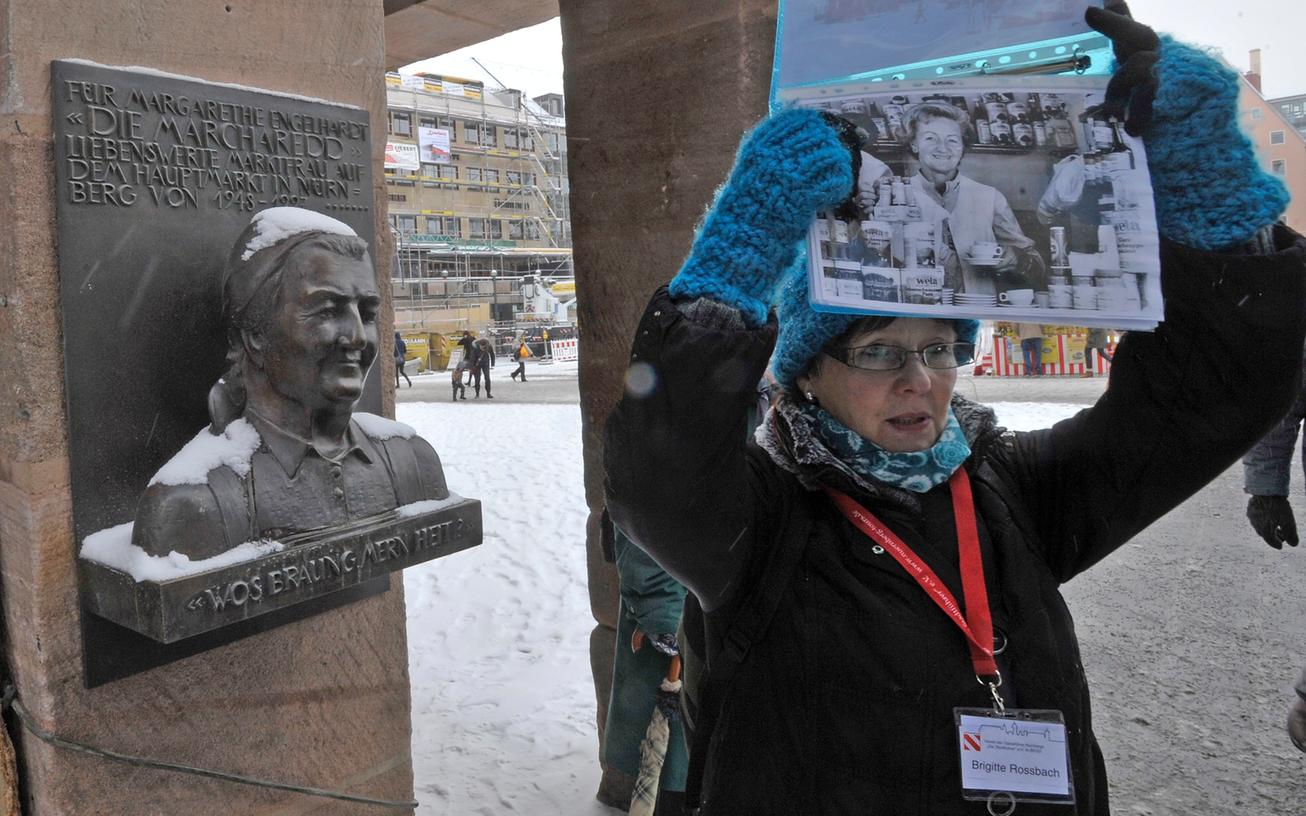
(1020, 755)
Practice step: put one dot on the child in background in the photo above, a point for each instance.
(459, 388)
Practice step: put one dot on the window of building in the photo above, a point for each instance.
(512, 177)
(449, 173)
(484, 228)
(551, 142)
(1279, 166)
(488, 137)
(401, 123)
(1276, 137)
(471, 133)
(406, 224)
(447, 227)
(426, 121)
(524, 230)
(491, 176)
(473, 174)
(1256, 113)
(430, 171)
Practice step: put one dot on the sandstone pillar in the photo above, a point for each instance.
(323, 702)
(658, 95)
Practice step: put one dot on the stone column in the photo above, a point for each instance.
(658, 95)
(323, 702)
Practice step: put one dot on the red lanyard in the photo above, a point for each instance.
(977, 624)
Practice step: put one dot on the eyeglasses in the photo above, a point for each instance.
(879, 357)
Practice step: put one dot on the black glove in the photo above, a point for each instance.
(1272, 519)
(1132, 89)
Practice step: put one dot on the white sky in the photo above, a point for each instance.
(531, 59)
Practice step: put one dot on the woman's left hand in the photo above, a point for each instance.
(1132, 88)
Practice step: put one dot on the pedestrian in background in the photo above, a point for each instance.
(1267, 477)
(650, 605)
(482, 362)
(401, 352)
(459, 387)
(1031, 346)
(1094, 341)
(519, 355)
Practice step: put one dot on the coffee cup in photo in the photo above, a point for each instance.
(985, 250)
(1111, 297)
(1016, 297)
(1042, 299)
(1083, 263)
(1085, 296)
(1081, 280)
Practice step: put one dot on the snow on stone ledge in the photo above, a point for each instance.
(275, 223)
(234, 448)
(378, 427)
(113, 547)
(428, 506)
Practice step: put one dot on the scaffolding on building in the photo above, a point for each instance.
(538, 197)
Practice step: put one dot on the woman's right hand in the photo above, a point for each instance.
(789, 167)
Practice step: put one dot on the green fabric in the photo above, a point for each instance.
(652, 601)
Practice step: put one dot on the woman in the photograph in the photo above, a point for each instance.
(805, 549)
(973, 216)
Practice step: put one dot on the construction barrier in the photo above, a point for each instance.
(564, 350)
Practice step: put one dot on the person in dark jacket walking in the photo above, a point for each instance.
(482, 358)
(401, 352)
(922, 545)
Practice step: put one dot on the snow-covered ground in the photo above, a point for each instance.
(498, 636)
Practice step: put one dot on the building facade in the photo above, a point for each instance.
(478, 197)
(1293, 110)
(1281, 145)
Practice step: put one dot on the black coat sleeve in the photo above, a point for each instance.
(679, 481)
(1182, 404)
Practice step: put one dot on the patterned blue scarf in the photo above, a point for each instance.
(918, 471)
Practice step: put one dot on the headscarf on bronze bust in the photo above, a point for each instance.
(251, 285)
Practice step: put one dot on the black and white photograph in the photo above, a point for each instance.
(1003, 198)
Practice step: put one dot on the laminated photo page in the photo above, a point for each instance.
(1004, 198)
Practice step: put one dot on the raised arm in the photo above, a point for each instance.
(1183, 402)
(678, 476)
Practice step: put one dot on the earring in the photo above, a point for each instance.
(809, 396)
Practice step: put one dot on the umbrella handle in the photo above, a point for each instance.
(673, 671)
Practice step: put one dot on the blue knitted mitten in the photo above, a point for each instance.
(790, 166)
(1211, 192)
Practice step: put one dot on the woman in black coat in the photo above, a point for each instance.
(869, 471)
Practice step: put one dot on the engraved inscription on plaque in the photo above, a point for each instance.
(126, 142)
